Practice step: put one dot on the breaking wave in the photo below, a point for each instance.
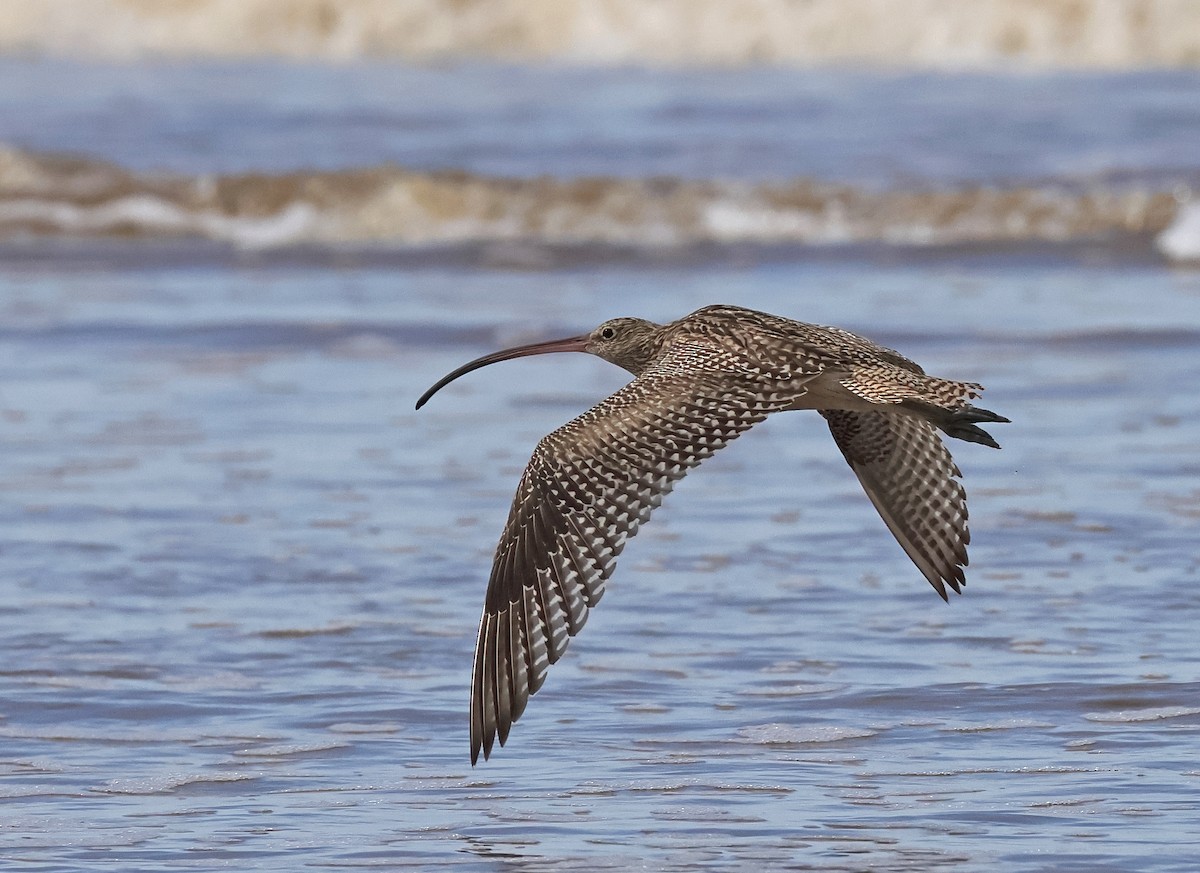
(388, 206)
(1114, 34)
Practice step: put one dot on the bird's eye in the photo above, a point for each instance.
(608, 333)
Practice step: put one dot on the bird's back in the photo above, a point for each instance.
(785, 346)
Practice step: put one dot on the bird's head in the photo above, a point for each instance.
(631, 343)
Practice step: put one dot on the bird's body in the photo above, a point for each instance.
(699, 383)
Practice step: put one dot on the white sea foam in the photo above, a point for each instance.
(1181, 241)
(391, 206)
(1004, 724)
(284, 750)
(732, 219)
(1154, 713)
(148, 215)
(165, 784)
(779, 734)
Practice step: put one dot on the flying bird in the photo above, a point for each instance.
(700, 382)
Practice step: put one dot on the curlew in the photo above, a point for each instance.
(699, 382)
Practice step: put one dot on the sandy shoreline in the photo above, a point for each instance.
(940, 34)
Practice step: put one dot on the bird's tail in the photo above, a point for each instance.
(960, 423)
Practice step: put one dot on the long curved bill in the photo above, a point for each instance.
(570, 344)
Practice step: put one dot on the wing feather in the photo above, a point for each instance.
(587, 489)
(908, 474)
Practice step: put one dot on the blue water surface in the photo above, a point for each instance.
(240, 576)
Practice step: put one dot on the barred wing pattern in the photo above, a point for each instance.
(588, 487)
(912, 480)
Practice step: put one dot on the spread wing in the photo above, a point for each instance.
(913, 482)
(587, 488)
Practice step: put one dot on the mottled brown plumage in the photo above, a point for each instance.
(699, 383)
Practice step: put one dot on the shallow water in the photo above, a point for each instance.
(241, 576)
(878, 128)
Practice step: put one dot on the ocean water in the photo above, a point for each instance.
(242, 576)
(264, 155)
